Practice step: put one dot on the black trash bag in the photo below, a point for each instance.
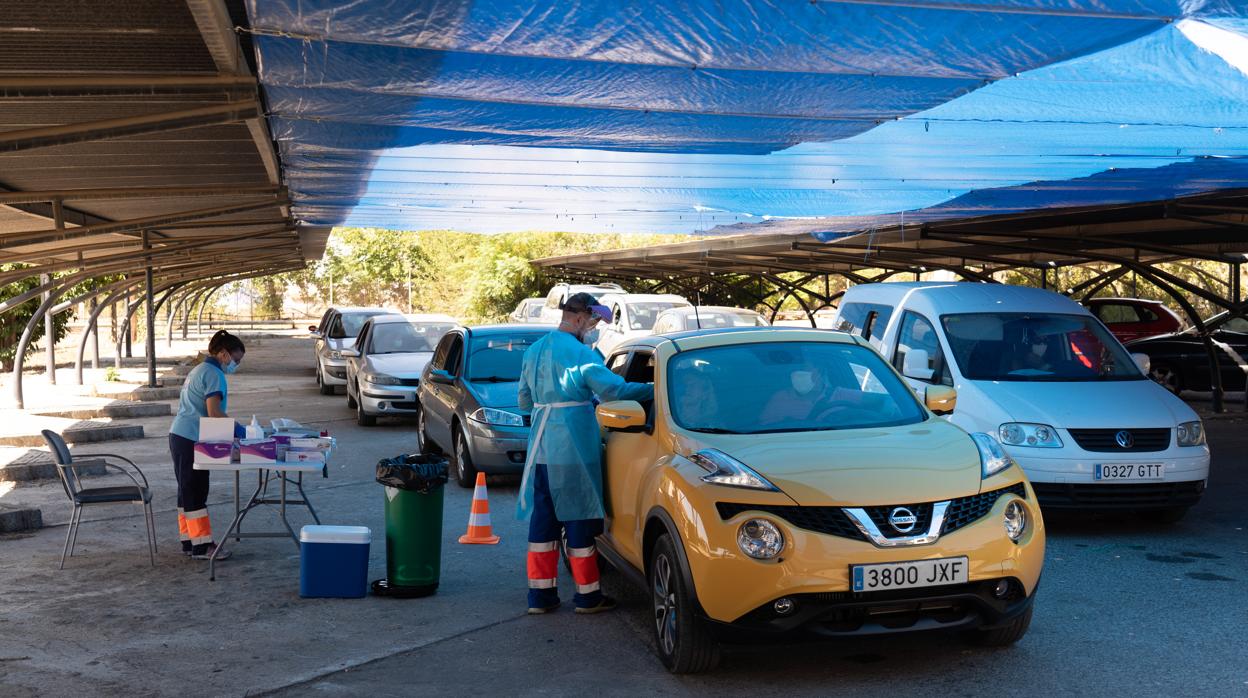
(412, 472)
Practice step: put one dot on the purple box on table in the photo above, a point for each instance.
(258, 451)
(213, 452)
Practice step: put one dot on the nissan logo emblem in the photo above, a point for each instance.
(902, 519)
(1124, 439)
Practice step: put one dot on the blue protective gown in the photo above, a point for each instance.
(559, 369)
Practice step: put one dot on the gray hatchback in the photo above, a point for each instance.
(468, 395)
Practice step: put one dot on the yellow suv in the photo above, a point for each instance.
(787, 481)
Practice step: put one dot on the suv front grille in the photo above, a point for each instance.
(1106, 440)
(833, 521)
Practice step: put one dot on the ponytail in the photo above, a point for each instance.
(224, 341)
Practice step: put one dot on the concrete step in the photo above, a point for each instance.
(140, 394)
(118, 410)
(38, 465)
(19, 519)
(163, 380)
(83, 432)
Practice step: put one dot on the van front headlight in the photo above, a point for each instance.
(1190, 433)
(1024, 434)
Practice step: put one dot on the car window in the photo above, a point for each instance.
(362, 339)
(442, 351)
(854, 317)
(406, 337)
(917, 332)
(640, 367)
(615, 315)
(320, 326)
(348, 325)
(498, 358)
(617, 362)
(454, 357)
(1036, 347)
(641, 316)
(1147, 314)
(793, 386)
(534, 309)
(1111, 313)
(1235, 324)
(552, 298)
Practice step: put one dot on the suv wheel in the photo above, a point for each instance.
(465, 471)
(685, 645)
(426, 445)
(1006, 635)
(363, 419)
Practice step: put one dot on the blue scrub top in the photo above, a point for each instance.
(204, 381)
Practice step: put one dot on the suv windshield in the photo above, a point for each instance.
(792, 386)
(497, 358)
(1036, 347)
(406, 337)
(347, 325)
(641, 316)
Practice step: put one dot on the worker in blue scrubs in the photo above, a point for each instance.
(204, 394)
(561, 491)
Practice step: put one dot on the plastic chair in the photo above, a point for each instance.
(138, 493)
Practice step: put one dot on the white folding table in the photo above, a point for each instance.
(265, 472)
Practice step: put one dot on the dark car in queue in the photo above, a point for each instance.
(1134, 318)
(469, 395)
(1179, 361)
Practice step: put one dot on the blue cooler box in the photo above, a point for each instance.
(334, 561)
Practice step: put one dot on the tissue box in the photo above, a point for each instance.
(319, 443)
(333, 561)
(257, 451)
(213, 452)
(293, 456)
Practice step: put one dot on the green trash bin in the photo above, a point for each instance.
(414, 488)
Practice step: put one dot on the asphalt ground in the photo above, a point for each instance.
(1125, 607)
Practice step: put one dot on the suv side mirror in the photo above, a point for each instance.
(441, 376)
(914, 365)
(940, 399)
(1144, 363)
(622, 415)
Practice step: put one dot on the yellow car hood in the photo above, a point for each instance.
(926, 462)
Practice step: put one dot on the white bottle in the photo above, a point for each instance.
(254, 430)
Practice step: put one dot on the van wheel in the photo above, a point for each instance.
(1006, 635)
(465, 471)
(684, 644)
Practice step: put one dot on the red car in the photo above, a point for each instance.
(1134, 318)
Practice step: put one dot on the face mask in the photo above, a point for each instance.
(803, 381)
(1039, 349)
(590, 337)
(230, 367)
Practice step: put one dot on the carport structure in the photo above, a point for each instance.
(135, 164)
(799, 258)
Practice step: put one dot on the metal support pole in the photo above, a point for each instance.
(19, 359)
(49, 336)
(199, 319)
(112, 333)
(94, 329)
(151, 313)
(126, 339)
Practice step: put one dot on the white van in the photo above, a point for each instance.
(559, 293)
(1048, 380)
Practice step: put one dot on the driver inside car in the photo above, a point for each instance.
(808, 390)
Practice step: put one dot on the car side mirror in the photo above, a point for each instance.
(622, 415)
(940, 399)
(441, 376)
(915, 365)
(1143, 362)
(349, 353)
(312, 329)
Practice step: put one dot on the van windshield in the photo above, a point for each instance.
(1036, 347)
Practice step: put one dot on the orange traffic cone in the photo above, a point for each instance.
(479, 529)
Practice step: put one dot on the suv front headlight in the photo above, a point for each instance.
(1190, 433)
(723, 469)
(489, 415)
(992, 458)
(1024, 434)
(380, 379)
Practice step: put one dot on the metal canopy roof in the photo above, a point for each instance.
(121, 118)
(1207, 226)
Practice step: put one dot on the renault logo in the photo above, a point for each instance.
(902, 519)
(1125, 439)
